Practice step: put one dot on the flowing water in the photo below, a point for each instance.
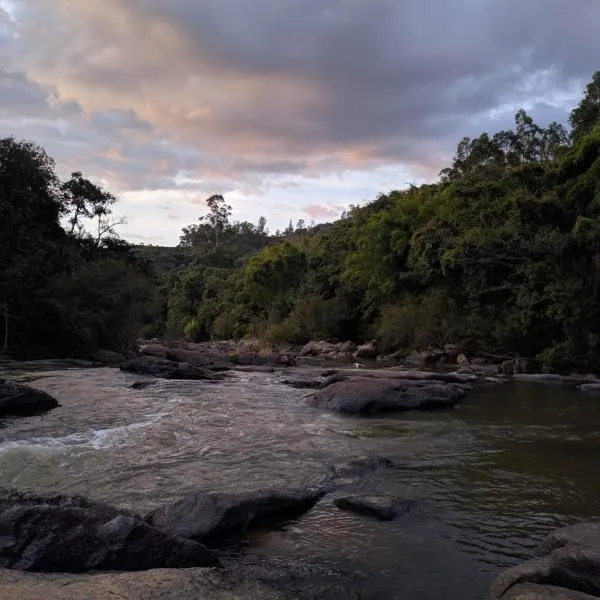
(491, 476)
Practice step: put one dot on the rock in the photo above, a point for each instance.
(590, 388)
(198, 359)
(107, 357)
(570, 559)
(383, 508)
(167, 369)
(462, 361)
(317, 348)
(582, 534)
(532, 591)
(210, 515)
(142, 385)
(154, 350)
(18, 399)
(359, 395)
(346, 347)
(57, 533)
(156, 584)
(367, 350)
(427, 357)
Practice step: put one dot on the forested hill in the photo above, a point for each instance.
(502, 254)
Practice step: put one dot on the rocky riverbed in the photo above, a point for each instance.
(406, 504)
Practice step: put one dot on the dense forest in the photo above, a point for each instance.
(502, 254)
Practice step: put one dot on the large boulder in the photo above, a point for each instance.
(382, 507)
(18, 399)
(360, 395)
(57, 533)
(107, 357)
(532, 591)
(167, 369)
(569, 568)
(210, 515)
(154, 350)
(315, 348)
(367, 350)
(157, 584)
(346, 347)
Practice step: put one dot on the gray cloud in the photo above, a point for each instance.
(230, 94)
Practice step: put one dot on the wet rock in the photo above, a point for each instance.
(590, 388)
(212, 515)
(367, 350)
(18, 399)
(383, 508)
(198, 359)
(359, 395)
(167, 369)
(107, 357)
(156, 584)
(298, 579)
(531, 591)
(570, 561)
(57, 533)
(154, 350)
(142, 385)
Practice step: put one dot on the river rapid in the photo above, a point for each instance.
(491, 476)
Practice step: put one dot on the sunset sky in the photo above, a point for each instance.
(289, 108)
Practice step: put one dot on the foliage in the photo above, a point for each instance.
(61, 290)
(502, 253)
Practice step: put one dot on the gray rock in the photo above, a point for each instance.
(582, 534)
(367, 350)
(167, 369)
(346, 347)
(532, 591)
(570, 561)
(57, 533)
(156, 584)
(384, 508)
(18, 399)
(426, 357)
(210, 515)
(142, 385)
(590, 388)
(359, 395)
(315, 348)
(107, 357)
(154, 350)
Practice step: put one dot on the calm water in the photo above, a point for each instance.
(491, 476)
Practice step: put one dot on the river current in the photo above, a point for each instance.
(491, 476)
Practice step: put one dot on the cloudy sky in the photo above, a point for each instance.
(289, 108)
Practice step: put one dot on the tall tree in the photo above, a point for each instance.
(586, 115)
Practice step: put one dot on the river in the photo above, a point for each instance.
(491, 476)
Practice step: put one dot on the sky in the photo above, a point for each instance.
(292, 109)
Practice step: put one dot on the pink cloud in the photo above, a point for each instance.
(317, 211)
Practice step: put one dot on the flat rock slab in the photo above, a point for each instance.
(18, 399)
(364, 396)
(167, 369)
(71, 534)
(383, 508)
(210, 515)
(157, 584)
